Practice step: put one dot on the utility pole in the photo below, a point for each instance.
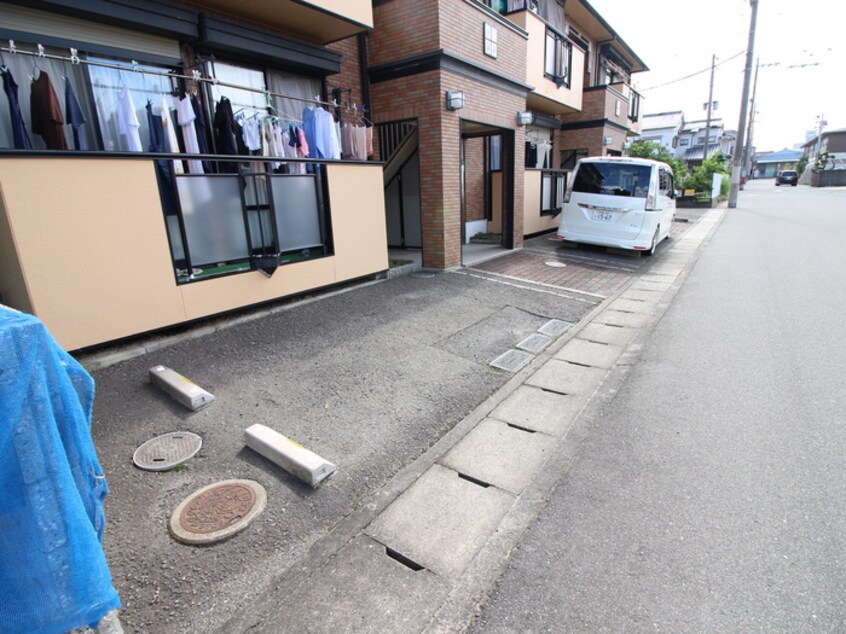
(747, 158)
(710, 103)
(741, 126)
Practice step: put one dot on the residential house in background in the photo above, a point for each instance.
(663, 128)
(834, 143)
(692, 141)
(768, 164)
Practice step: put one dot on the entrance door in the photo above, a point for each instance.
(487, 190)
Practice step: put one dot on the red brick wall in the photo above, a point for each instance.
(350, 75)
(462, 33)
(590, 138)
(403, 29)
(600, 103)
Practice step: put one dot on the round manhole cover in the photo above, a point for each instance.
(168, 451)
(556, 265)
(217, 511)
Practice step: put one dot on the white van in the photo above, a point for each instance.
(622, 202)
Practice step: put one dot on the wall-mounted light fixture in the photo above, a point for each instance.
(454, 100)
(525, 118)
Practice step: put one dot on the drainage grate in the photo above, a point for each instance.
(217, 511)
(168, 451)
(534, 343)
(554, 328)
(512, 361)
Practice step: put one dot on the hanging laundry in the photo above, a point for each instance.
(172, 143)
(346, 141)
(186, 117)
(531, 154)
(224, 127)
(21, 138)
(46, 113)
(202, 130)
(251, 134)
(128, 124)
(268, 141)
(278, 143)
(164, 172)
(335, 141)
(290, 144)
(321, 134)
(360, 143)
(75, 117)
(368, 133)
(544, 154)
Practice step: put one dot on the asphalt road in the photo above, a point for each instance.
(709, 495)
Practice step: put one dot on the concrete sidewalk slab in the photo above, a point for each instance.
(496, 453)
(566, 378)
(441, 521)
(651, 285)
(642, 296)
(584, 352)
(633, 306)
(604, 333)
(618, 318)
(337, 601)
(537, 409)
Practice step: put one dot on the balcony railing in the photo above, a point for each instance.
(244, 217)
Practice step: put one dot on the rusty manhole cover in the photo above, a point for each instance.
(217, 511)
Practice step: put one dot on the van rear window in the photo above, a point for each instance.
(613, 179)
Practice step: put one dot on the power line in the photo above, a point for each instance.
(699, 72)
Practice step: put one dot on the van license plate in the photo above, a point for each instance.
(602, 216)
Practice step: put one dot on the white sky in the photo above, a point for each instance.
(677, 37)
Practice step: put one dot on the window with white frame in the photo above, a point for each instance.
(490, 41)
(557, 57)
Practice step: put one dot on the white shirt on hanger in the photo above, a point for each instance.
(185, 115)
(252, 136)
(170, 133)
(128, 121)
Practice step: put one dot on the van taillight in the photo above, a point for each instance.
(650, 202)
(569, 190)
(652, 196)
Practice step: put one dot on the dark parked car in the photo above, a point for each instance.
(787, 177)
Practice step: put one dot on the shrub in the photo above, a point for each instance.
(702, 178)
(656, 151)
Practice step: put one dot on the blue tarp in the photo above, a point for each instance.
(53, 571)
